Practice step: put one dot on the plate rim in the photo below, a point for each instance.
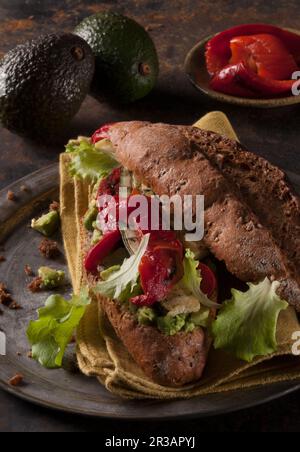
(284, 388)
(152, 418)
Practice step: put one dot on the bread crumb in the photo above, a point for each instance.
(6, 298)
(17, 380)
(35, 285)
(11, 196)
(49, 249)
(54, 206)
(28, 270)
(24, 189)
(14, 306)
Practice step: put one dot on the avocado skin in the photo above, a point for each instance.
(42, 84)
(120, 46)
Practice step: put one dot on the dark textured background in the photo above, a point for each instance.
(175, 26)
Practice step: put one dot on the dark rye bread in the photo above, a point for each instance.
(264, 188)
(239, 226)
(168, 360)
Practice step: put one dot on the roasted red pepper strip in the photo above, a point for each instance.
(239, 80)
(102, 133)
(265, 54)
(209, 280)
(208, 287)
(218, 52)
(227, 81)
(99, 252)
(161, 267)
(111, 184)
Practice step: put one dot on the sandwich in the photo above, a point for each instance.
(169, 298)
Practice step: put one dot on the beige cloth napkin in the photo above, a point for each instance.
(101, 354)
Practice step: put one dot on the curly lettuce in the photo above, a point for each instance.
(246, 324)
(51, 333)
(90, 162)
(192, 280)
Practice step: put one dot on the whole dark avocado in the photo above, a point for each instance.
(43, 84)
(127, 64)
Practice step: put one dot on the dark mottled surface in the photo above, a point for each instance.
(175, 27)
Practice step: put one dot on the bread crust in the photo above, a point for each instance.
(172, 361)
(184, 160)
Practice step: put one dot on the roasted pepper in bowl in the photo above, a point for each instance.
(254, 61)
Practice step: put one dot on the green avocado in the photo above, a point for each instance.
(47, 224)
(146, 316)
(90, 216)
(51, 279)
(126, 59)
(43, 84)
(171, 325)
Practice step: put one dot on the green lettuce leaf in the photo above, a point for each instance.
(89, 162)
(123, 284)
(192, 280)
(74, 145)
(246, 325)
(51, 333)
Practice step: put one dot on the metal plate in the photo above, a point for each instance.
(62, 389)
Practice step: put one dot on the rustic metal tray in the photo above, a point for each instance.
(63, 389)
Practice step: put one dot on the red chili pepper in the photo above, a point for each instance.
(218, 52)
(102, 133)
(99, 252)
(239, 80)
(209, 280)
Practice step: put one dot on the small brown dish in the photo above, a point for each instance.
(195, 68)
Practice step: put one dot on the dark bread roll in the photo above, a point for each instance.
(241, 228)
